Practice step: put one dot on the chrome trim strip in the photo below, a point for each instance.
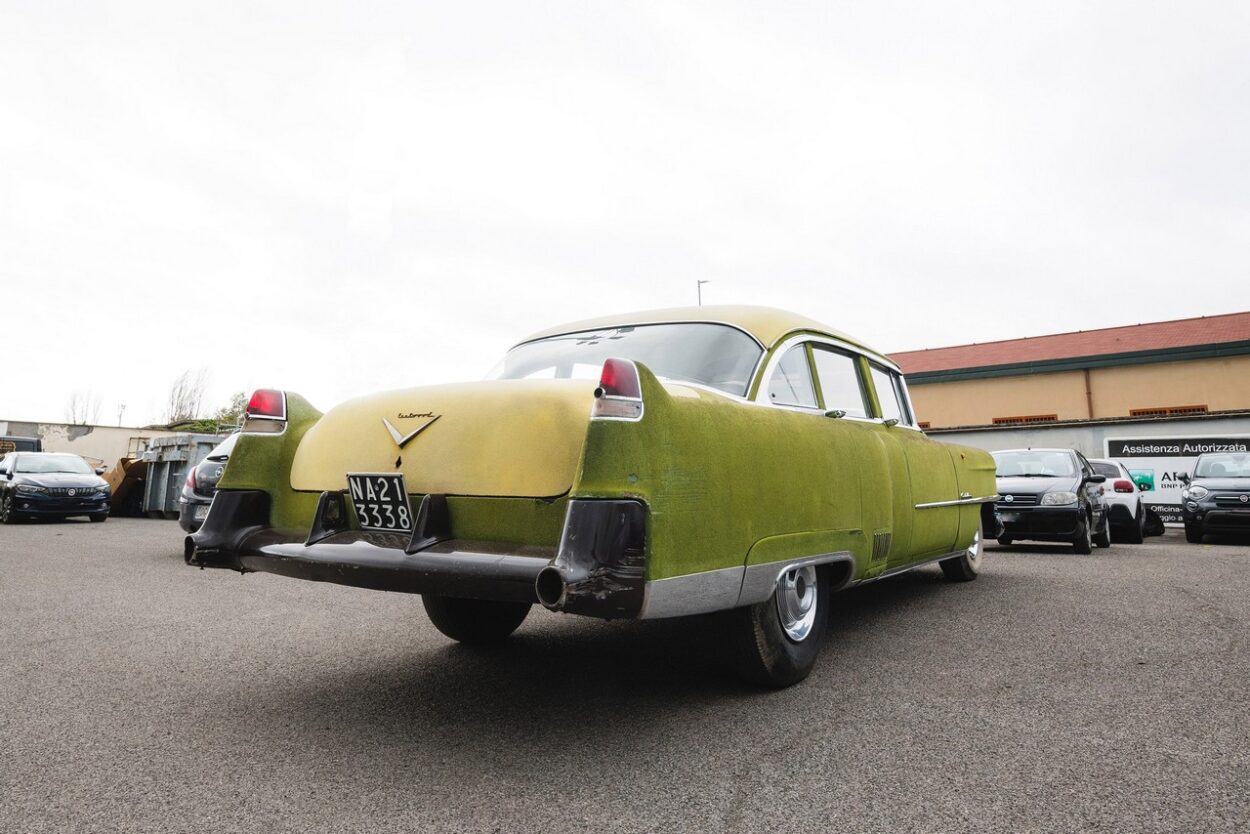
(694, 593)
(984, 499)
(759, 581)
(912, 566)
(717, 590)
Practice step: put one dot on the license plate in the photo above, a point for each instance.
(380, 501)
(200, 512)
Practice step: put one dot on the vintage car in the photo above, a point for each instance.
(659, 464)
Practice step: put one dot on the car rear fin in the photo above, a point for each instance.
(619, 395)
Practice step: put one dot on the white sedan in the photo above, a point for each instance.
(1123, 497)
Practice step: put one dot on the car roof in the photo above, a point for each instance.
(767, 325)
(1034, 449)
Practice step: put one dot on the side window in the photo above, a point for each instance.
(904, 402)
(791, 382)
(887, 394)
(839, 381)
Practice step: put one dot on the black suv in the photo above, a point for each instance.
(50, 485)
(1051, 495)
(1216, 499)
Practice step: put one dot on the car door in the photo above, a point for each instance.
(929, 471)
(885, 491)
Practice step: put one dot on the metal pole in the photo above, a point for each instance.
(699, 287)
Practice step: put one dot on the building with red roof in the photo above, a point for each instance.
(1187, 366)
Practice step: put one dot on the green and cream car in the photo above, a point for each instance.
(661, 464)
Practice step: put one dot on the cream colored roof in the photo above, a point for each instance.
(768, 325)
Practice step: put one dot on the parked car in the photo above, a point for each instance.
(1217, 496)
(1124, 504)
(50, 485)
(201, 484)
(1051, 495)
(658, 464)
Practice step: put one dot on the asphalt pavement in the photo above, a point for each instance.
(1055, 693)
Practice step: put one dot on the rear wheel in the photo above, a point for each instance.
(1193, 533)
(1103, 538)
(1136, 532)
(775, 643)
(1083, 543)
(965, 566)
(474, 620)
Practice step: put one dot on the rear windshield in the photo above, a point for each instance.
(225, 447)
(1223, 466)
(1108, 469)
(42, 464)
(1032, 464)
(715, 355)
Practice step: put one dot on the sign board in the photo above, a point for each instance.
(1156, 464)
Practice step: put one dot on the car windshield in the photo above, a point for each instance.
(1223, 466)
(1030, 464)
(716, 355)
(43, 464)
(1108, 469)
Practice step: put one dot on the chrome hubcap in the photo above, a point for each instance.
(796, 602)
(974, 550)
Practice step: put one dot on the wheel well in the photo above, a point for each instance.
(840, 574)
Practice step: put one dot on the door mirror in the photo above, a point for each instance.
(101, 471)
(1096, 479)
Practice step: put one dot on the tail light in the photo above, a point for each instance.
(1124, 486)
(619, 395)
(266, 412)
(191, 485)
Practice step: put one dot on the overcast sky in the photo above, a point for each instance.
(341, 198)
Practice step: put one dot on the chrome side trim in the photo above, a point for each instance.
(717, 590)
(984, 499)
(759, 581)
(912, 566)
(694, 593)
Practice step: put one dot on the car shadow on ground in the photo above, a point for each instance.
(615, 677)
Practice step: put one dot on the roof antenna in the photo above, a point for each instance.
(699, 287)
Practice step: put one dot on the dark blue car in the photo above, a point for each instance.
(52, 486)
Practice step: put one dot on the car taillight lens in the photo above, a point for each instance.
(191, 480)
(266, 412)
(619, 395)
(1124, 486)
(267, 403)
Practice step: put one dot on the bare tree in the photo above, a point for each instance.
(82, 407)
(186, 396)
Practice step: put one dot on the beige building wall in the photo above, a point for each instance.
(104, 444)
(1221, 384)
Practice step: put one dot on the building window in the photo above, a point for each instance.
(1029, 418)
(1165, 411)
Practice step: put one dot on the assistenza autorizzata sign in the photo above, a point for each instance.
(1156, 464)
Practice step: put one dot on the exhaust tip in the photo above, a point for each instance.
(549, 586)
